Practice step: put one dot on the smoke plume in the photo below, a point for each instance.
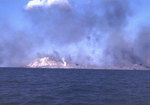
(91, 34)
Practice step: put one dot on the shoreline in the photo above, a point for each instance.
(106, 69)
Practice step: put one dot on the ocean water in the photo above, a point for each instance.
(73, 87)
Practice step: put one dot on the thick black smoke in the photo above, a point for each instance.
(92, 34)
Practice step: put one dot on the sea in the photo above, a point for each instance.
(23, 86)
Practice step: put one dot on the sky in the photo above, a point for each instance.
(12, 10)
(29, 30)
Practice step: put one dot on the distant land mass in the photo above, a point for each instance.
(52, 62)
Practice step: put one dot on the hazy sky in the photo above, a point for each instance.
(80, 27)
(12, 10)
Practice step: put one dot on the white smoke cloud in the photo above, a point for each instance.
(46, 3)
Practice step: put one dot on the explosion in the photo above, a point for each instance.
(49, 62)
(90, 34)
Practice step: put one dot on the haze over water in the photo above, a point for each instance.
(97, 33)
(74, 34)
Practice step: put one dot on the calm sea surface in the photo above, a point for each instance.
(73, 87)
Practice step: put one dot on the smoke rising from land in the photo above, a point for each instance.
(93, 34)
